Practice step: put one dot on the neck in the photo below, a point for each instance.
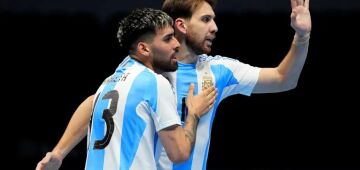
(186, 55)
(146, 63)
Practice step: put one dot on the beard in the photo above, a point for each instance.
(168, 66)
(199, 47)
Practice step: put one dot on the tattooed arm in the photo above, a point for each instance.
(179, 142)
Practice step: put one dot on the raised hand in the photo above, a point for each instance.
(300, 17)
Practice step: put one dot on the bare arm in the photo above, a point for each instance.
(286, 75)
(74, 133)
(179, 142)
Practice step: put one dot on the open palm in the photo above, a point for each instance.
(300, 16)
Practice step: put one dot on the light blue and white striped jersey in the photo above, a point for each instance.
(229, 77)
(130, 107)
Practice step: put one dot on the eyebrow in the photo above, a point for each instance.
(208, 15)
(168, 35)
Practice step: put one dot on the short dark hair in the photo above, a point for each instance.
(140, 22)
(184, 8)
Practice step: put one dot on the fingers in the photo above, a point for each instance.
(300, 2)
(307, 3)
(48, 157)
(210, 93)
(39, 166)
(212, 98)
(293, 16)
(293, 4)
(211, 103)
(191, 89)
(42, 163)
(213, 95)
(209, 90)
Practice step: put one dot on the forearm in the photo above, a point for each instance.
(73, 134)
(292, 65)
(179, 142)
(186, 139)
(190, 127)
(76, 129)
(286, 75)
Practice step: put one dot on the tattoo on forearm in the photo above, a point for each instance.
(190, 128)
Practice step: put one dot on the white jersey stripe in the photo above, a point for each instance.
(113, 159)
(127, 113)
(142, 111)
(134, 128)
(229, 77)
(96, 156)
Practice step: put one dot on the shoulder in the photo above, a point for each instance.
(151, 79)
(162, 81)
(217, 60)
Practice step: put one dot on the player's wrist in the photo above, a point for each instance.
(301, 39)
(196, 116)
(58, 154)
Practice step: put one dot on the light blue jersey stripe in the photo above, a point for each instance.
(96, 156)
(182, 86)
(219, 72)
(134, 126)
(206, 154)
(229, 76)
(187, 75)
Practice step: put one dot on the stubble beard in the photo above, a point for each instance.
(166, 66)
(198, 47)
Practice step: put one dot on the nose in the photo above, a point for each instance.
(176, 44)
(213, 28)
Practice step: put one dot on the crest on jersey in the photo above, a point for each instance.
(206, 82)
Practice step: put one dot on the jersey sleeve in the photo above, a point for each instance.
(238, 77)
(165, 114)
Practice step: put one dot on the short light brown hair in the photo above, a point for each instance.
(184, 8)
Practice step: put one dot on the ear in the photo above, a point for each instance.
(143, 49)
(180, 25)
